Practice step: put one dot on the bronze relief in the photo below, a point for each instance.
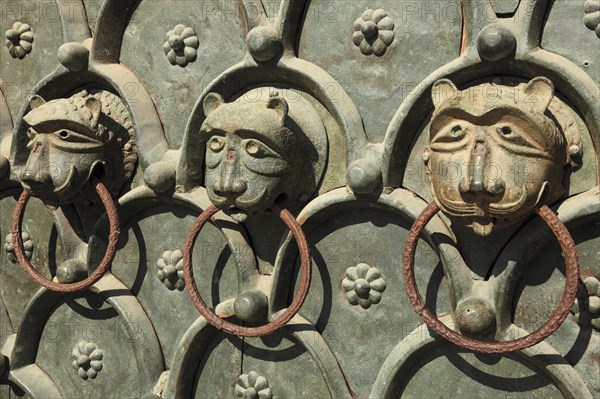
(261, 151)
(71, 139)
(495, 152)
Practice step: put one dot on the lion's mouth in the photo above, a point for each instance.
(482, 215)
(237, 206)
(66, 185)
(459, 208)
(503, 210)
(49, 193)
(251, 202)
(482, 225)
(481, 206)
(237, 214)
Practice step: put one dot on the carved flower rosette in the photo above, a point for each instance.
(181, 45)
(253, 385)
(19, 40)
(170, 270)
(373, 32)
(363, 285)
(27, 246)
(587, 306)
(591, 18)
(87, 359)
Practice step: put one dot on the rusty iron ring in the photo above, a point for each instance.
(111, 250)
(563, 309)
(231, 328)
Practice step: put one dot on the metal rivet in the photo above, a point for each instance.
(495, 42)
(263, 43)
(363, 176)
(476, 316)
(160, 177)
(251, 306)
(74, 56)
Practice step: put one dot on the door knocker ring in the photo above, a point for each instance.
(113, 218)
(562, 310)
(231, 328)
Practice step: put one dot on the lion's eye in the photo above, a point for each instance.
(216, 143)
(252, 148)
(258, 150)
(505, 131)
(262, 159)
(449, 134)
(69, 136)
(456, 131)
(31, 133)
(510, 134)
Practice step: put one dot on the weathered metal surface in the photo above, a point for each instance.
(347, 119)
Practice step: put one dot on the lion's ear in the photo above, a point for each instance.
(280, 106)
(442, 90)
(211, 102)
(93, 104)
(539, 93)
(36, 101)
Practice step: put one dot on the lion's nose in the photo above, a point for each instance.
(478, 179)
(477, 169)
(36, 169)
(230, 185)
(230, 188)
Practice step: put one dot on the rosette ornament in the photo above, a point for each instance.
(181, 45)
(591, 19)
(87, 359)
(252, 386)
(587, 307)
(363, 285)
(27, 245)
(373, 32)
(19, 39)
(170, 270)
